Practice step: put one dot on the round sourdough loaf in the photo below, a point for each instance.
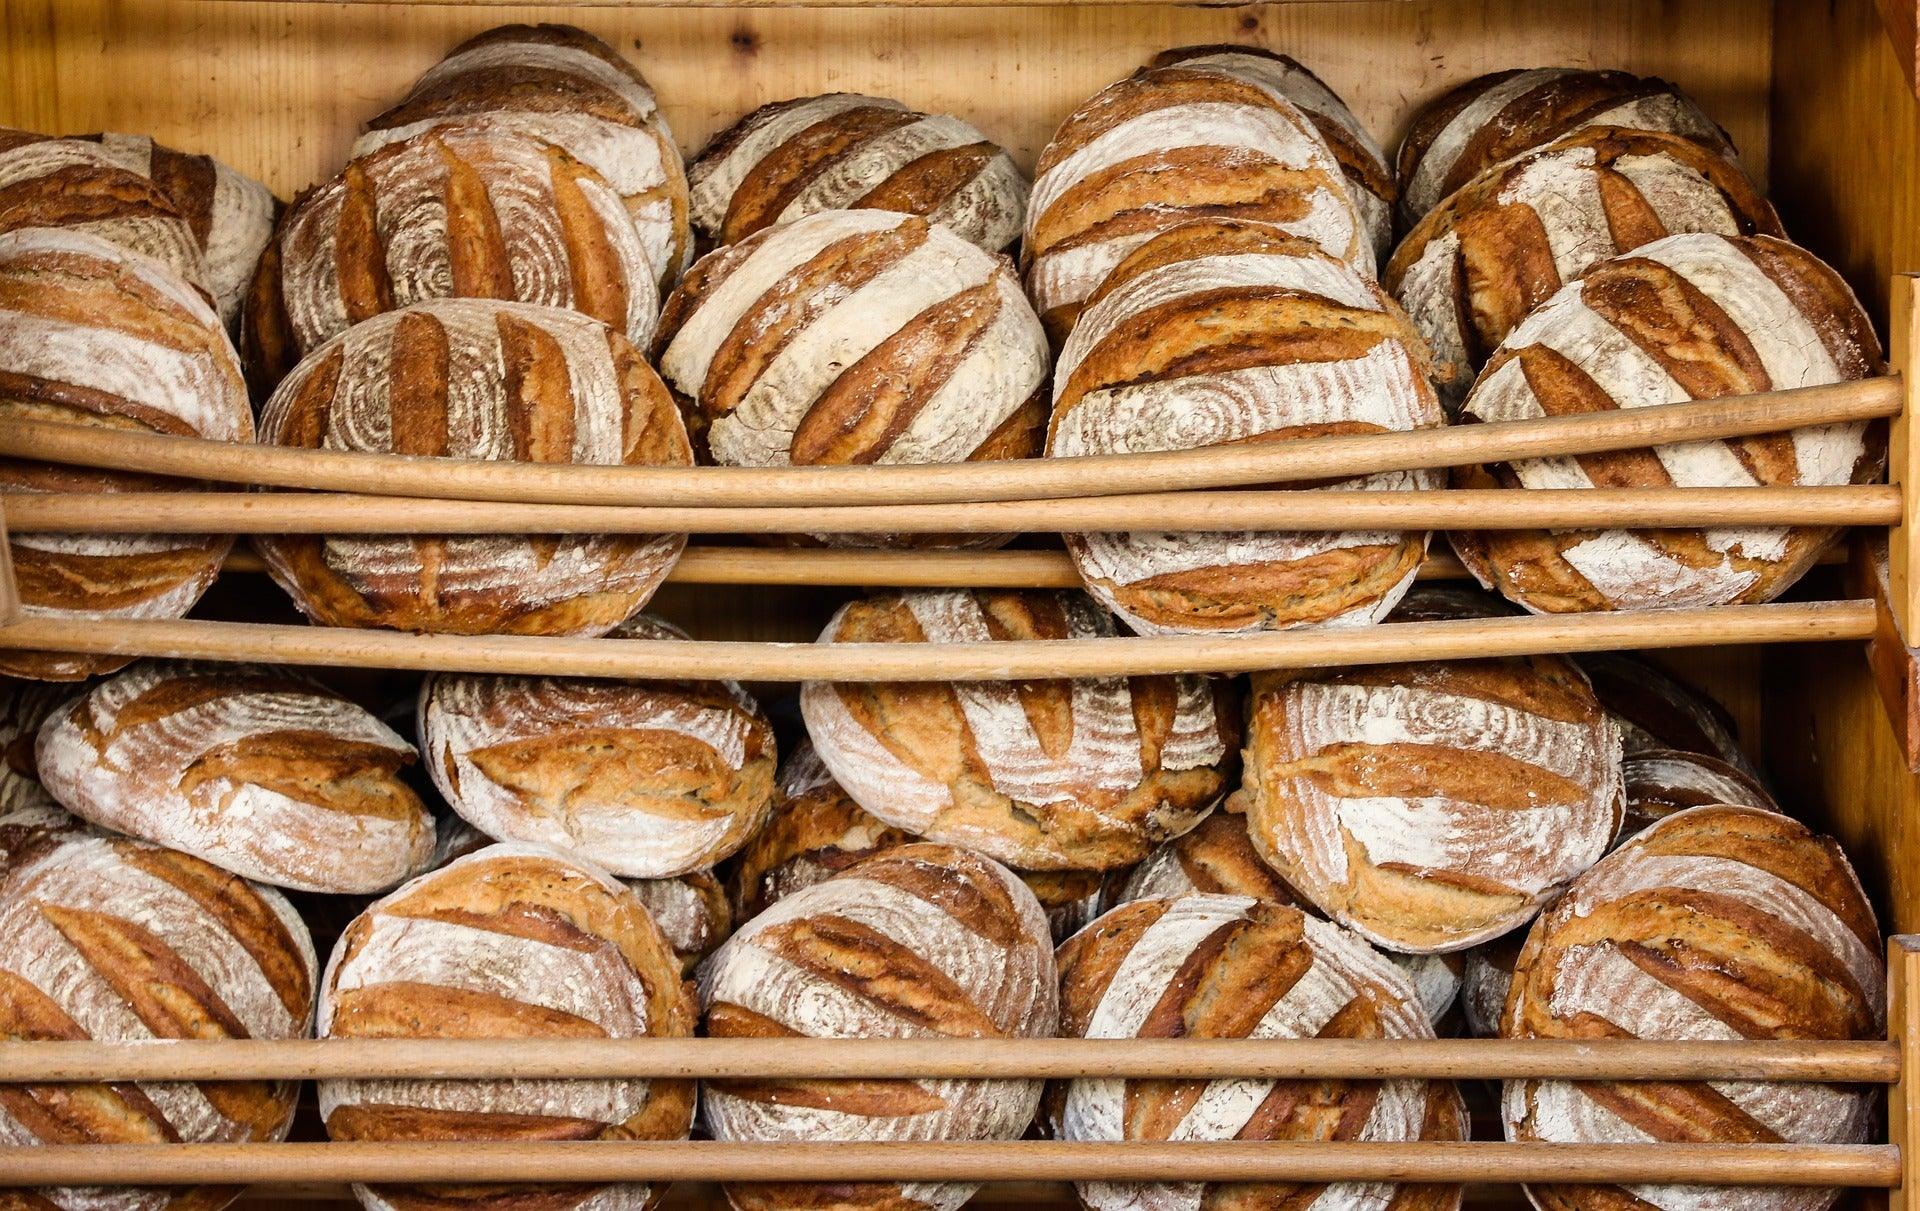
(1088, 774)
(252, 768)
(1502, 244)
(1718, 924)
(122, 942)
(847, 151)
(91, 334)
(477, 378)
(563, 86)
(921, 941)
(1431, 806)
(1493, 118)
(457, 211)
(1230, 967)
(1168, 144)
(649, 779)
(1685, 317)
(513, 941)
(1655, 711)
(691, 911)
(1223, 331)
(1661, 782)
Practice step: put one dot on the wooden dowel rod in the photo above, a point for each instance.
(699, 1160)
(1237, 465)
(1486, 509)
(1871, 1062)
(1019, 660)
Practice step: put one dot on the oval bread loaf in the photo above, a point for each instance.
(1686, 317)
(477, 378)
(1220, 332)
(921, 941)
(1661, 782)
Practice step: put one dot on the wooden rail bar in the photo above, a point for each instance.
(1237, 465)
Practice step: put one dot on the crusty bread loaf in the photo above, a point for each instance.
(473, 378)
(24, 706)
(513, 941)
(457, 211)
(566, 87)
(1661, 782)
(921, 941)
(1088, 774)
(650, 779)
(1431, 806)
(1686, 317)
(1493, 118)
(255, 769)
(1484, 983)
(1168, 144)
(1719, 923)
(91, 334)
(1208, 966)
(1657, 711)
(691, 911)
(847, 151)
(1224, 331)
(116, 940)
(1503, 243)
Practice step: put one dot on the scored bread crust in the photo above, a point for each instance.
(1660, 782)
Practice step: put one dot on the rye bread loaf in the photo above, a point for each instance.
(1655, 710)
(921, 941)
(118, 941)
(848, 151)
(255, 769)
(566, 87)
(512, 941)
(91, 334)
(1229, 967)
(1493, 118)
(1222, 331)
(477, 378)
(649, 779)
(1660, 782)
(1686, 317)
(1088, 774)
(1719, 923)
(1505, 242)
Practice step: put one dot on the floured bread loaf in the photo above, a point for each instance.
(1686, 317)
(1493, 118)
(1222, 331)
(921, 941)
(474, 378)
(1505, 242)
(24, 706)
(457, 211)
(1431, 806)
(1656, 711)
(1230, 967)
(1088, 774)
(563, 86)
(691, 911)
(1485, 981)
(122, 942)
(650, 779)
(846, 151)
(1719, 923)
(91, 334)
(255, 769)
(1661, 782)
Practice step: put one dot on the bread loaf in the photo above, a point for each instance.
(1229, 967)
(1431, 806)
(691, 911)
(1656, 711)
(846, 151)
(119, 941)
(91, 334)
(1493, 118)
(24, 706)
(472, 378)
(1088, 774)
(1503, 243)
(1661, 782)
(922, 941)
(1685, 317)
(1719, 923)
(1223, 331)
(1166, 145)
(255, 769)
(514, 941)
(649, 779)
(1484, 983)
(457, 211)
(566, 87)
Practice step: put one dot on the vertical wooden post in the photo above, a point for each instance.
(1903, 459)
(9, 589)
(1903, 1096)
